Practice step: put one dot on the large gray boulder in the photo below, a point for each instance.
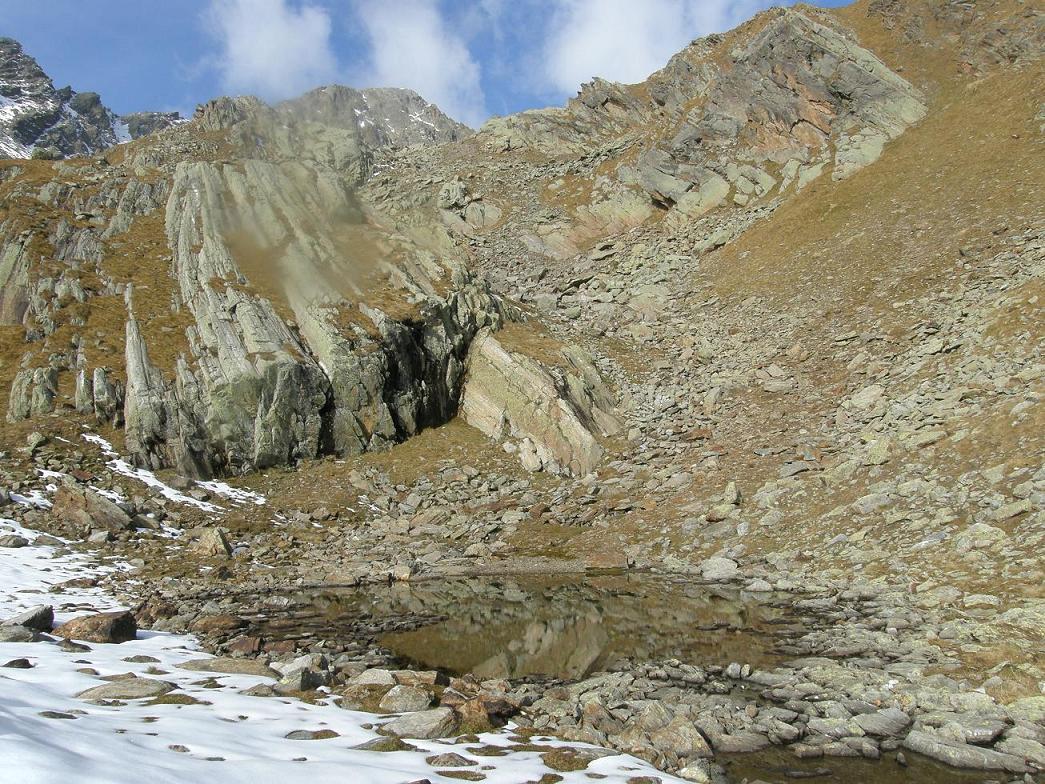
(127, 689)
(435, 723)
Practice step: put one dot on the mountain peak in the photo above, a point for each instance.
(39, 120)
(385, 116)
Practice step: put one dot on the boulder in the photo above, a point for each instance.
(39, 618)
(17, 634)
(107, 627)
(373, 677)
(212, 543)
(88, 510)
(230, 666)
(435, 723)
(962, 755)
(555, 417)
(719, 569)
(401, 699)
(890, 722)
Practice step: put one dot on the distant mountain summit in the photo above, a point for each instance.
(385, 116)
(37, 119)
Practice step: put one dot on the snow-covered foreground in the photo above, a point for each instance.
(48, 735)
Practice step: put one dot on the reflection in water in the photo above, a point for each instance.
(567, 647)
(565, 627)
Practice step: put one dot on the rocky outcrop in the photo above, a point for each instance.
(141, 124)
(292, 351)
(316, 323)
(731, 119)
(99, 394)
(14, 277)
(311, 323)
(798, 98)
(552, 417)
(33, 393)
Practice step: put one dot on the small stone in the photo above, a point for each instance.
(13, 540)
(230, 666)
(449, 760)
(981, 601)
(48, 714)
(1014, 509)
(19, 664)
(129, 689)
(758, 585)
(311, 735)
(385, 745)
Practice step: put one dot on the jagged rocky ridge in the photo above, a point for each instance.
(738, 119)
(38, 119)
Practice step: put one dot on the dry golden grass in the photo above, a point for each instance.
(971, 168)
(533, 340)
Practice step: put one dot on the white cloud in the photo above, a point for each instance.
(627, 40)
(272, 48)
(413, 46)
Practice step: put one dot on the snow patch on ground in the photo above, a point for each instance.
(223, 736)
(32, 498)
(122, 467)
(119, 465)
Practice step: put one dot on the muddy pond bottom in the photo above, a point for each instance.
(557, 627)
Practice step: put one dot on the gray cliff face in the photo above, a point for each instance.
(311, 326)
(325, 371)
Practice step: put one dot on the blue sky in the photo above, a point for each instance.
(474, 58)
